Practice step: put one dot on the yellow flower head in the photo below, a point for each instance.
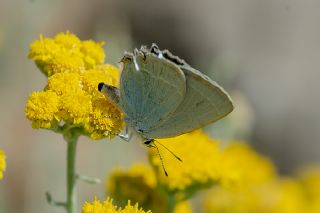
(71, 97)
(108, 207)
(310, 180)
(205, 163)
(278, 196)
(199, 154)
(137, 184)
(43, 109)
(76, 107)
(133, 209)
(93, 53)
(241, 165)
(105, 120)
(2, 163)
(66, 53)
(183, 207)
(64, 83)
(137, 171)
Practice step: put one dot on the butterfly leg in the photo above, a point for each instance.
(127, 136)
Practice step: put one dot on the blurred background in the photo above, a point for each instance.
(265, 53)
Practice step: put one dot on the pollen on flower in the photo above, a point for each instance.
(42, 109)
(200, 156)
(2, 163)
(76, 107)
(62, 83)
(62, 63)
(105, 119)
(108, 207)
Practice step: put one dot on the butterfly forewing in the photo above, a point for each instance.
(152, 93)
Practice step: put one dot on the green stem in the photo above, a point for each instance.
(171, 203)
(71, 138)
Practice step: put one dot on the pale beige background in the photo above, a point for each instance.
(269, 51)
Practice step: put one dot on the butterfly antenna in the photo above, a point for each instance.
(169, 151)
(165, 172)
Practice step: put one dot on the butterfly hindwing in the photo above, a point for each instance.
(204, 102)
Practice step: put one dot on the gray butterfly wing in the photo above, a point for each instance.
(205, 102)
(149, 95)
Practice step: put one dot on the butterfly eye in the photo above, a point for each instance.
(148, 141)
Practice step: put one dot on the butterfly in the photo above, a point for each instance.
(162, 96)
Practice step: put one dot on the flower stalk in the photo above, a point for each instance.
(171, 203)
(71, 137)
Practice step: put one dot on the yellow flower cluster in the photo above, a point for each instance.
(278, 196)
(241, 180)
(136, 184)
(108, 207)
(66, 53)
(74, 69)
(2, 163)
(281, 195)
(139, 184)
(240, 165)
(205, 163)
(310, 179)
(199, 154)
